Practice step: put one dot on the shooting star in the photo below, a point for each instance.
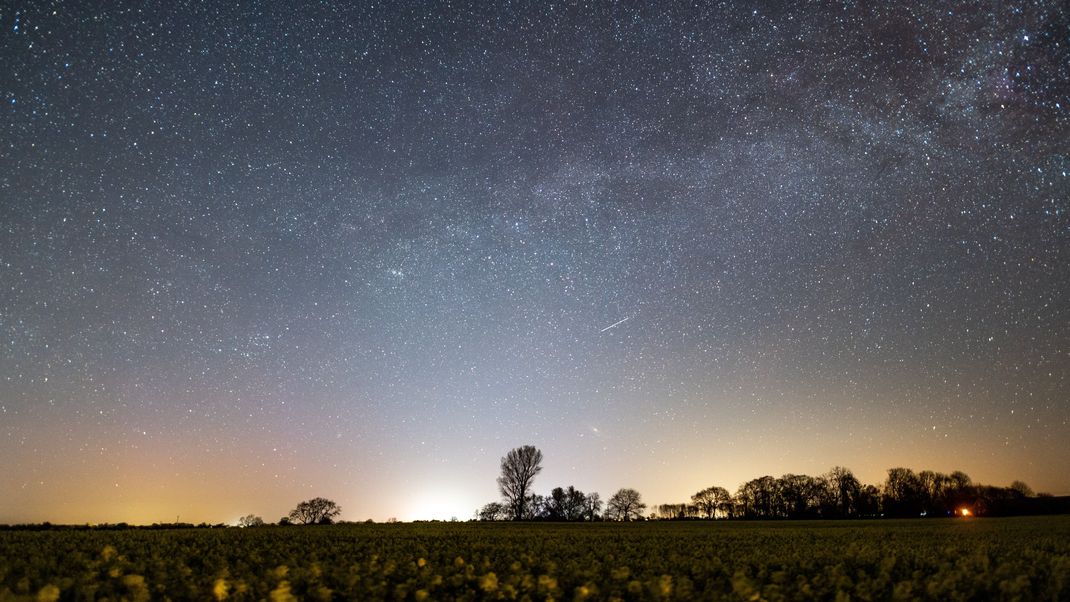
(615, 324)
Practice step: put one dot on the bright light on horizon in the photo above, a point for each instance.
(441, 502)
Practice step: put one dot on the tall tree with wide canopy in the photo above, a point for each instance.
(519, 468)
(710, 500)
(844, 491)
(625, 504)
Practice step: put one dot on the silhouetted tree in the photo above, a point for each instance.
(1022, 489)
(493, 511)
(535, 507)
(869, 501)
(250, 521)
(844, 490)
(575, 504)
(566, 504)
(592, 508)
(960, 491)
(745, 500)
(799, 496)
(904, 493)
(705, 502)
(960, 480)
(519, 468)
(676, 511)
(555, 504)
(712, 500)
(934, 496)
(757, 498)
(315, 511)
(992, 501)
(726, 506)
(625, 504)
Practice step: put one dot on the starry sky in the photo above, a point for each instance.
(253, 253)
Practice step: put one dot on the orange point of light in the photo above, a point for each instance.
(965, 511)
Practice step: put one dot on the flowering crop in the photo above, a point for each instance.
(1021, 558)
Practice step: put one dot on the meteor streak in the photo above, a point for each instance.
(615, 324)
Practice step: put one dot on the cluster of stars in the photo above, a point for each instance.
(340, 247)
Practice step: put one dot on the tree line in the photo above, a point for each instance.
(518, 470)
(835, 494)
(316, 511)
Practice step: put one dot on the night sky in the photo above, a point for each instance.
(252, 253)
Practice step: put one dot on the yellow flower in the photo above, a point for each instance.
(219, 590)
(488, 582)
(48, 593)
(547, 582)
(665, 586)
(136, 584)
(282, 593)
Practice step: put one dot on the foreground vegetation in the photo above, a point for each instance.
(946, 559)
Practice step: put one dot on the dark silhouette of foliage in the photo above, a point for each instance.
(904, 493)
(566, 504)
(592, 507)
(869, 501)
(836, 494)
(1022, 489)
(250, 520)
(317, 511)
(677, 511)
(493, 511)
(534, 507)
(712, 500)
(757, 498)
(519, 468)
(625, 504)
(844, 492)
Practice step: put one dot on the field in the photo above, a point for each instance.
(979, 559)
